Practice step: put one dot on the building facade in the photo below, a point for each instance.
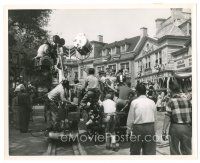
(155, 61)
(147, 59)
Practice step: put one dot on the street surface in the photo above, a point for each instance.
(35, 143)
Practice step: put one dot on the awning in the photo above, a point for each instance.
(182, 75)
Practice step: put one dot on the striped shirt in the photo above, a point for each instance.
(179, 109)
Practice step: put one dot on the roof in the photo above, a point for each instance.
(180, 51)
(170, 29)
(187, 21)
(173, 37)
(142, 42)
(102, 43)
(188, 43)
(132, 42)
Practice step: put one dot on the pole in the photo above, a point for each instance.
(69, 54)
(60, 53)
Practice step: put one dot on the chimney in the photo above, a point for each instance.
(100, 38)
(159, 21)
(176, 13)
(143, 31)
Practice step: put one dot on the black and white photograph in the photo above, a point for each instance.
(101, 81)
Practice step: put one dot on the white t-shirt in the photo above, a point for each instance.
(43, 49)
(109, 106)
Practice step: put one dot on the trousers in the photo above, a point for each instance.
(142, 138)
(180, 139)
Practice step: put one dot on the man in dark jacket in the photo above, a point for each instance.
(25, 110)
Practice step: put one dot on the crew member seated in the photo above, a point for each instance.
(124, 92)
(92, 89)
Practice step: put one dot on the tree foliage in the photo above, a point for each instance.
(26, 32)
(26, 27)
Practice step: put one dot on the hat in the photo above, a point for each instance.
(20, 87)
(108, 96)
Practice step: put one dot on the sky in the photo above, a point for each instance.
(113, 24)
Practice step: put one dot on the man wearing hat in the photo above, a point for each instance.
(25, 108)
(179, 117)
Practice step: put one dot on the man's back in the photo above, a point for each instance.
(57, 93)
(109, 106)
(124, 92)
(43, 50)
(92, 82)
(142, 110)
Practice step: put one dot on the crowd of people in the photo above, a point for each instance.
(113, 93)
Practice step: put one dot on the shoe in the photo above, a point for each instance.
(108, 147)
(115, 147)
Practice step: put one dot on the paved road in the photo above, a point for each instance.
(27, 144)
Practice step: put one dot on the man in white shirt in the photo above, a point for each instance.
(56, 95)
(109, 107)
(43, 50)
(141, 123)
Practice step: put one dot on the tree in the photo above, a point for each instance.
(26, 27)
(25, 33)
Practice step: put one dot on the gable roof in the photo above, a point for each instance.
(188, 43)
(142, 42)
(132, 42)
(180, 51)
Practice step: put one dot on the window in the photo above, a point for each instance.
(125, 66)
(147, 47)
(112, 67)
(149, 62)
(81, 73)
(123, 48)
(113, 50)
(140, 65)
(146, 62)
(156, 58)
(100, 68)
(160, 57)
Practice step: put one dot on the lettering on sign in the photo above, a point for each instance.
(190, 61)
(180, 64)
